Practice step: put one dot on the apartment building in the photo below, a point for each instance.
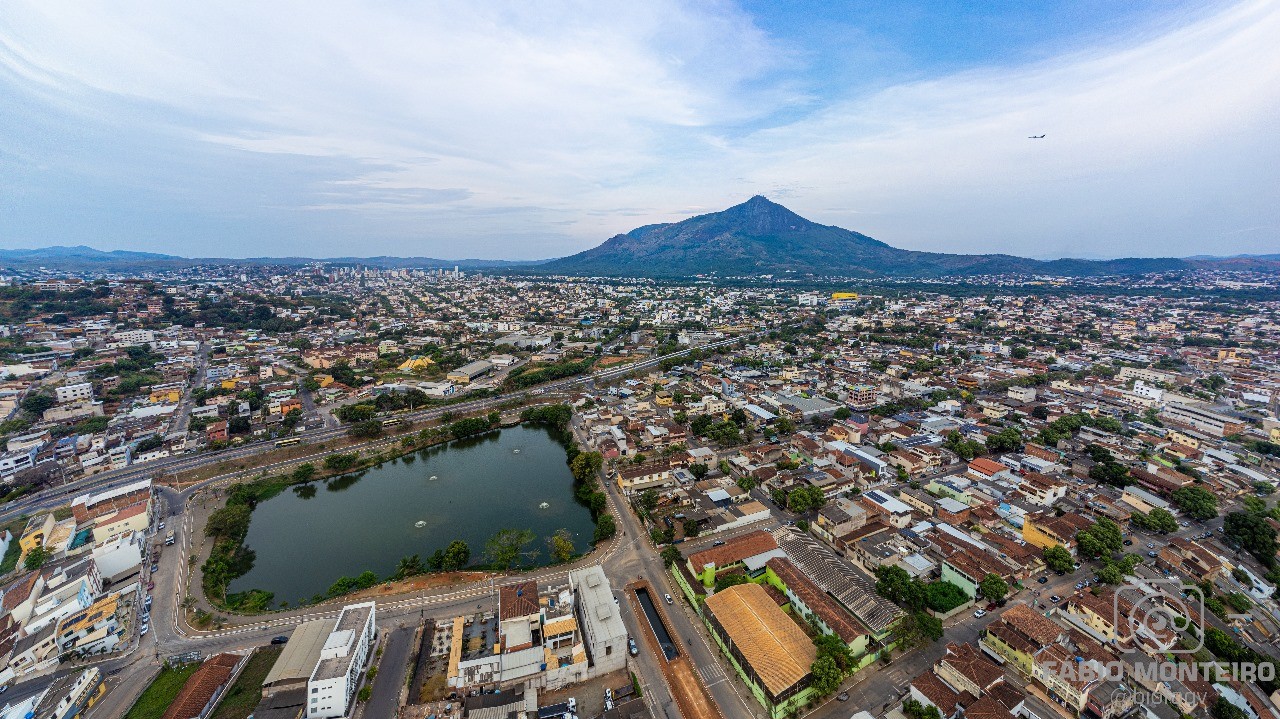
(334, 680)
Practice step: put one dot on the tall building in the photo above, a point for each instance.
(344, 656)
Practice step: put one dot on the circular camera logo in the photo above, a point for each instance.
(1158, 617)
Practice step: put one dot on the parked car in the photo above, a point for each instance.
(1055, 599)
(842, 697)
(631, 646)
(980, 614)
(1151, 554)
(991, 606)
(1128, 542)
(1043, 580)
(143, 631)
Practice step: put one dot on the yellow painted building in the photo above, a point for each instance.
(170, 396)
(1047, 530)
(36, 532)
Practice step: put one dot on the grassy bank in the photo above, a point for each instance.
(161, 692)
(243, 696)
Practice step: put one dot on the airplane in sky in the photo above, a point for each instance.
(1036, 137)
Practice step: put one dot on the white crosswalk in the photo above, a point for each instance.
(711, 673)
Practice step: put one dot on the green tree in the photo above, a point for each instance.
(826, 675)
(1058, 558)
(1252, 532)
(368, 429)
(1159, 520)
(1110, 574)
(691, 528)
(1101, 539)
(35, 559)
(649, 500)
(586, 466)
(561, 546)
(831, 645)
(896, 585)
(409, 566)
(731, 579)
(670, 555)
(1223, 709)
(606, 527)
(456, 556)
(699, 470)
(1006, 440)
(942, 597)
(303, 472)
(914, 709)
(842, 413)
(36, 404)
(340, 462)
(231, 521)
(784, 425)
(993, 587)
(504, 548)
(917, 628)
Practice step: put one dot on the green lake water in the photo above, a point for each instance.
(310, 535)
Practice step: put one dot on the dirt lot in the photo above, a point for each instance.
(417, 584)
(688, 690)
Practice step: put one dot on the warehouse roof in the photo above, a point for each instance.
(777, 649)
(300, 654)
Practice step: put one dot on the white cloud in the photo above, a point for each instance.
(564, 124)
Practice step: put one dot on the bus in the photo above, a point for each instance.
(391, 422)
(288, 441)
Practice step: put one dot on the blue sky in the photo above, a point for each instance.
(530, 130)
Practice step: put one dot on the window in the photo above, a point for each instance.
(608, 650)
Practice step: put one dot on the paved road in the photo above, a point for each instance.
(622, 560)
(57, 496)
(391, 671)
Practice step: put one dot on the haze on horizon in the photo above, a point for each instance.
(521, 132)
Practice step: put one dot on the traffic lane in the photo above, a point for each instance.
(189, 462)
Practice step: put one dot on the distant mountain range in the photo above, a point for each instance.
(757, 237)
(763, 237)
(81, 257)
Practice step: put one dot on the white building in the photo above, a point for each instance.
(344, 656)
(74, 392)
(134, 337)
(603, 632)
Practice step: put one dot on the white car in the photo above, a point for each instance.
(980, 613)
